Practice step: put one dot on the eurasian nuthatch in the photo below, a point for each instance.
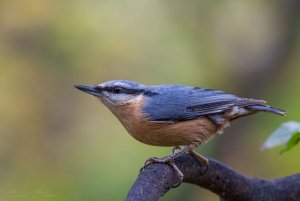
(173, 115)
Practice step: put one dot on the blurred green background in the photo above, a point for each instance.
(58, 144)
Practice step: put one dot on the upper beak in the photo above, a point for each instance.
(89, 89)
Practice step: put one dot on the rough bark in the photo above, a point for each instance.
(157, 179)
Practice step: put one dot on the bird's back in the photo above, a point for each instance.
(179, 103)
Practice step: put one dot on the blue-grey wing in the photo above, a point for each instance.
(179, 103)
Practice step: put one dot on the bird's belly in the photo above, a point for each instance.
(194, 131)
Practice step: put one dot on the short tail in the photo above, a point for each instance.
(266, 108)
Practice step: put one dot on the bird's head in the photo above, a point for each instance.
(115, 92)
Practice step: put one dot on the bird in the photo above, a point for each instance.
(174, 115)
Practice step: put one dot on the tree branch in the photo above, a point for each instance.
(155, 180)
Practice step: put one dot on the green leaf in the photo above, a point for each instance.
(295, 139)
(287, 134)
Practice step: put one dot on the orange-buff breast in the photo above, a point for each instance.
(194, 131)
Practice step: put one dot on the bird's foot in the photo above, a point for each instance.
(177, 151)
(165, 160)
(176, 148)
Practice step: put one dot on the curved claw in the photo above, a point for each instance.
(179, 174)
(176, 148)
(205, 170)
(201, 159)
(149, 161)
(166, 160)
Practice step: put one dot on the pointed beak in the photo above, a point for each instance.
(89, 89)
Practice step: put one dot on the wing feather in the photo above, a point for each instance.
(179, 103)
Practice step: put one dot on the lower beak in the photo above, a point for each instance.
(88, 89)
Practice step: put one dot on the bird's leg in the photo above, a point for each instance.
(190, 150)
(170, 161)
(168, 158)
(199, 157)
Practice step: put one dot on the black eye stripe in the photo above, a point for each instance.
(115, 89)
(123, 90)
(99, 89)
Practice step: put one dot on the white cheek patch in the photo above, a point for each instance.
(123, 101)
(106, 101)
(135, 99)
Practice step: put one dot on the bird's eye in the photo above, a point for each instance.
(116, 90)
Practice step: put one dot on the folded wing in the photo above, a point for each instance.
(178, 103)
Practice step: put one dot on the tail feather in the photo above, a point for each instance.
(266, 108)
